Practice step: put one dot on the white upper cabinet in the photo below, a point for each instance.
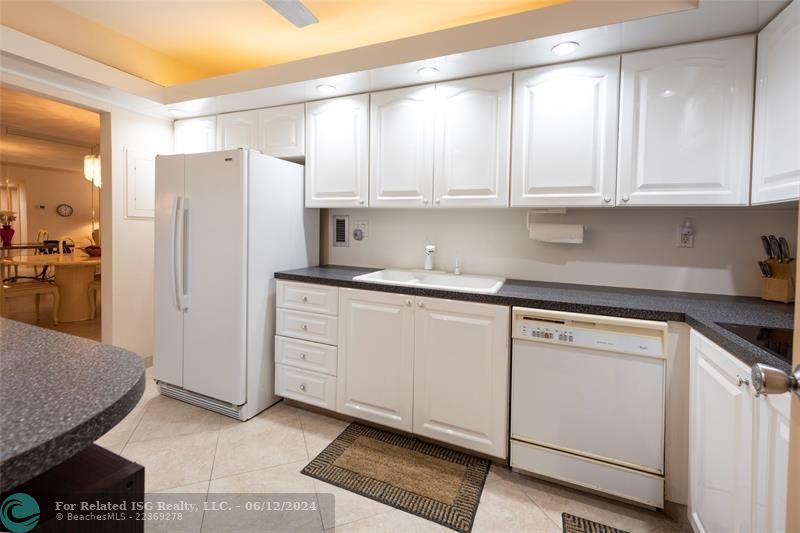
(281, 131)
(565, 134)
(473, 130)
(337, 152)
(686, 124)
(401, 147)
(237, 130)
(776, 140)
(195, 135)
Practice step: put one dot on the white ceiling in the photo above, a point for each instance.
(712, 19)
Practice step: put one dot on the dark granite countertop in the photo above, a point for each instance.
(58, 394)
(700, 311)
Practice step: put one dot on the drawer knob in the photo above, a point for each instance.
(303, 387)
(408, 303)
(304, 326)
(302, 356)
(305, 298)
(420, 304)
(626, 198)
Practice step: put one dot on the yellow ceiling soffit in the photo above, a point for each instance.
(63, 28)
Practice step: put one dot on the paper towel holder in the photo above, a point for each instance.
(543, 211)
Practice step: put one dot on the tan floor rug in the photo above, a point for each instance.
(423, 479)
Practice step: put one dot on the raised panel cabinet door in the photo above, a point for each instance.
(375, 371)
(237, 130)
(337, 152)
(771, 456)
(282, 131)
(564, 141)
(461, 374)
(686, 124)
(720, 440)
(401, 147)
(473, 135)
(776, 138)
(195, 135)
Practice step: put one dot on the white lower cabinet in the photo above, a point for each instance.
(376, 357)
(437, 368)
(729, 428)
(461, 374)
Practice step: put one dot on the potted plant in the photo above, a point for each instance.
(7, 232)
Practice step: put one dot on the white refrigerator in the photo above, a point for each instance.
(225, 222)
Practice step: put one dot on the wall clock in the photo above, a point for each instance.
(65, 210)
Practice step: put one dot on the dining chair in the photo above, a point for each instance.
(41, 236)
(94, 288)
(64, 246)
(29, 288)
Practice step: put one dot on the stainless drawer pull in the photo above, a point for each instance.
(303, 387)
(305, 298)
(304, 327)
(302, 356)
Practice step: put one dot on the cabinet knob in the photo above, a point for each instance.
(420, 304)
(626, 198)
(361, 202)
(741, 381)
(438, 201)
(305, 298)
(304, 326)
(408, 303)
(302, 356)
(303, 387)
(425, 201)
(607, 199)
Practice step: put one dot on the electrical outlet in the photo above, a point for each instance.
(363, 226)
(686, 234)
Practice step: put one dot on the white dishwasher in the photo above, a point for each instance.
(587, 402)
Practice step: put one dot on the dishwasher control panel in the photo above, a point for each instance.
(633, 342)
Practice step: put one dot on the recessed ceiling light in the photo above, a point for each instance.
(565, 48)
(428, 72)
(666, 93)
(325, 88)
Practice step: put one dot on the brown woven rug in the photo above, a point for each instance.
(576, 524)
(432, 482)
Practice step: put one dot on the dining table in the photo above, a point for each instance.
(72, 275)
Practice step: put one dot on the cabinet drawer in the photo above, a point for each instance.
(307, 326)
(306, 355)
(308, 297)
(304, 386)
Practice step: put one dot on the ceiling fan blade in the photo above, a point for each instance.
(294, 11)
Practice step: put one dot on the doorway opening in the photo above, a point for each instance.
(50, 183)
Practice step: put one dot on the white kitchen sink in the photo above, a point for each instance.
(434, 280)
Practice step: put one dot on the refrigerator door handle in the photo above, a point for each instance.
(177, 214)
(184, 255)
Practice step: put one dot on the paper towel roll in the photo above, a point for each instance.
(560, 233)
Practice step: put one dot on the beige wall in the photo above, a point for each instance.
(50, 187)
(623, 247)
(128, 283)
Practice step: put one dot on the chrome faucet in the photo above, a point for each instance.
(430, 249)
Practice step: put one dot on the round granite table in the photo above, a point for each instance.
(58, 394)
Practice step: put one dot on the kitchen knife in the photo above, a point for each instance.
(767, 247)
(786, 256)
(775, 248)
(765, 270)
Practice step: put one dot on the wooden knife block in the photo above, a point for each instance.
(780, 287)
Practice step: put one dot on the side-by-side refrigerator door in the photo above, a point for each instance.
(215, 271)
(168, 313)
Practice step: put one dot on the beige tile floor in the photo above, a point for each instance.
(187, 449)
